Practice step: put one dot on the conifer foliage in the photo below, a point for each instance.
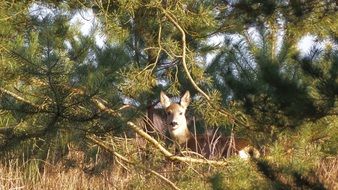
(254, 79)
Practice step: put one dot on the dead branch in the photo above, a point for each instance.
(184, 49)
(163, 150)
(168, 154)
(111, 150)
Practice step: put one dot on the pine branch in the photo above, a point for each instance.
(12, 135)
(23, 100)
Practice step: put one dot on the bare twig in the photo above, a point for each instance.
(168, 154)
(174, 21)
(163, 150)
(110, 150)
(184, 49)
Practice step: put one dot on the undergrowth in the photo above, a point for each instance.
(302, 158)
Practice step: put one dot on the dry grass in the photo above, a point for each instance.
(15, 176)
(77, 170)
(327, 171)
(102, 171)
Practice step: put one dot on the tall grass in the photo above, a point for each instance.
(16, 176)
(301, 159)
(238, 174)
(76, 171)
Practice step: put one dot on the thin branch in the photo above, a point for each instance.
(168, 154)
(103, 108)
(171, 18)
(164, 151)
(21, 99)
(112, 151)
(12, 134)
(184, 49)
(12, 16)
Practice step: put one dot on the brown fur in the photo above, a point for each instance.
(215, 145)
(172, 108)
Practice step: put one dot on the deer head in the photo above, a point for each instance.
(175, 117)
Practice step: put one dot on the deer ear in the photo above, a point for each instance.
(185, 100)
(165, 101)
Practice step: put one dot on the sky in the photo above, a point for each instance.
(87, 21)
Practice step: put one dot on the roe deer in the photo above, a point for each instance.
(207, 144)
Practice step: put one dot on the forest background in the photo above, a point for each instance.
(66, 97)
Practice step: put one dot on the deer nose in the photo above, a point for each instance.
(173, 123)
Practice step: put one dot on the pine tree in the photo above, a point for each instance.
(55, 79)
(38, 96)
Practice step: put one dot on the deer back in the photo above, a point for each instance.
(215, 144)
